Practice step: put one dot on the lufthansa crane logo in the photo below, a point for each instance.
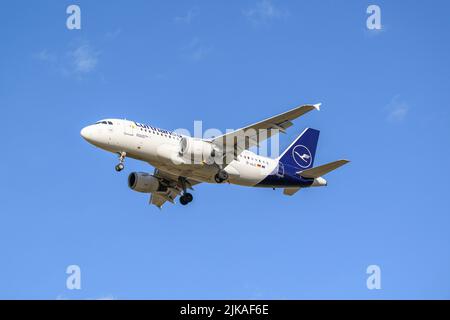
(302, 156)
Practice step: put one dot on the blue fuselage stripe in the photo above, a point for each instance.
(289, 178)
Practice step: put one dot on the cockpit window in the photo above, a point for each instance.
(104, 122)
(109, 122)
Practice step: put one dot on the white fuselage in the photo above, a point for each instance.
(160, 149)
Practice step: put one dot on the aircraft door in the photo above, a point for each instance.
(128, 128)
(280, 171)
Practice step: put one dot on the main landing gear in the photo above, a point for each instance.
(186, 197)
(221, 176)
(120, 166)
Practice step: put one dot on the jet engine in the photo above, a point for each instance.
(144, 182)
(197, 150)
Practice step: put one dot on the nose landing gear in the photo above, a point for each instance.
(120, 166)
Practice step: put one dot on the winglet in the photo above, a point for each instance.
(317, 106)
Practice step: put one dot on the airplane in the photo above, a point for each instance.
(180, 161)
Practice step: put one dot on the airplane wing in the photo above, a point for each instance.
(233, 143)
(174, 187)
(158, 200)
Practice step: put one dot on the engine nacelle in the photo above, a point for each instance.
(197, 150)
(144, 182)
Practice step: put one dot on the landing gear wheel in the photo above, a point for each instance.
(221, 176)
(186, 198)
(121, 166)
(183, 200)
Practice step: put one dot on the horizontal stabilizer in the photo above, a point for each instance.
(322, 170)
(290, 191)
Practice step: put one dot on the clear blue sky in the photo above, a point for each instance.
(385, 98)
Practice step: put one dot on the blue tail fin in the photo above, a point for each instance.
(301, 152)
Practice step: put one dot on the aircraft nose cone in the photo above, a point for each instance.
(86, 133)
